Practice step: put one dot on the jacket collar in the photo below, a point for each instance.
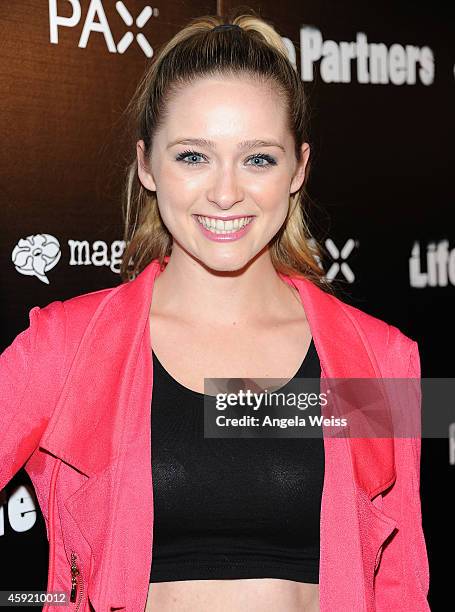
(88, 407)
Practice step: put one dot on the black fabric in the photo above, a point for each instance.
(226, 507)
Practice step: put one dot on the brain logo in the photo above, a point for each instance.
(36, 255)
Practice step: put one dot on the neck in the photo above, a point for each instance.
(189, 289)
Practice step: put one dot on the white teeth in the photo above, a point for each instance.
(217, 226)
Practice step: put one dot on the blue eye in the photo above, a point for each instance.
(181, 157)
(268, 158)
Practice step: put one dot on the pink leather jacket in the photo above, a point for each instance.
(75, 396)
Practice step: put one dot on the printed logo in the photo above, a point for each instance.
(35, 255)
(339, 256)
(439, 269)
(96, 21)
(20, 509)
(128, 37)
(373, 62)
(100, 254)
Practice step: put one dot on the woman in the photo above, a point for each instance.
(142, 513)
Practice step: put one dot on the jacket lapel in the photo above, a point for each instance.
(345, 353)
(99, 380)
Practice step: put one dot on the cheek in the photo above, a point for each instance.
(273, 193)
(275, 203)
(179, 189)
(177, 177)
(173, 208)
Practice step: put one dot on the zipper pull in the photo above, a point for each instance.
(74, 574)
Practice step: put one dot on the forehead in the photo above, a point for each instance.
(220, 106)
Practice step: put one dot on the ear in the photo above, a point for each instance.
(145, 176)
(299, 175)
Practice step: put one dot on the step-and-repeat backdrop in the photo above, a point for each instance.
(380, 82)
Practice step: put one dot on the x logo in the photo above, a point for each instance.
(337, 254)
(128, 37)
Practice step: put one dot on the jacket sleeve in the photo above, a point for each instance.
(30, 379)
(402, 581)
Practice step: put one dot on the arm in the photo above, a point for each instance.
(30, 373)
(402, 581)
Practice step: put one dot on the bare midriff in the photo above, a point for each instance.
(252, 594)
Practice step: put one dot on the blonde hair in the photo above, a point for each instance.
(194, 52)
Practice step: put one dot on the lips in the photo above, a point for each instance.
(217, 225)
(220, 231)
(229, 218)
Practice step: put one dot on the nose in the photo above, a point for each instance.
(226, 192)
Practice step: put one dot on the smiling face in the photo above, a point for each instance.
(223, 153)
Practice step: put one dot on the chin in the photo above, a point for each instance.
(225, 264)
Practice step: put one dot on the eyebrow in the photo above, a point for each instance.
(245, 144)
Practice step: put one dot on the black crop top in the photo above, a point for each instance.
(231, 507)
